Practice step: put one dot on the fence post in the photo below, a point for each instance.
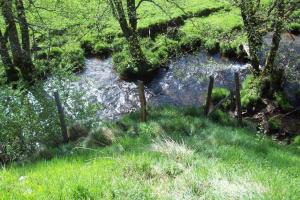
(61, 115)
(142, 101)
(238, 98)
(232, 101)
(209, 93)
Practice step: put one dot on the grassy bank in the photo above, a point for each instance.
(67, 32)
(178, 154)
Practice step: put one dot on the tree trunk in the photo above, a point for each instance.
(254, 38)
(28, 67)
(137, 53)
(132, 14)
(276, 74)
(129, 31)
(10, 71)
(6, 6)
(21, 57)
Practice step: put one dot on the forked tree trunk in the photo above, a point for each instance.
(28, 68)
(21, 56)
(129, 31)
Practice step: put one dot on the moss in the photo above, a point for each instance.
(157, 52)
(250, 93)
(219, 93)
(275, 124)
(282, 101)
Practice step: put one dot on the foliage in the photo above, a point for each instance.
(23, 122)
(65, 27)
(29, 121)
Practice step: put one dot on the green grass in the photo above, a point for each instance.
(78, 25)
(178, 154)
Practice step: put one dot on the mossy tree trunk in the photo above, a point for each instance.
(10, 70)
(21, 56)
(252, 23)
(129, 28)
(258, 21)
(276, 75)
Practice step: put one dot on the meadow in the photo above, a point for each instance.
(165, 158)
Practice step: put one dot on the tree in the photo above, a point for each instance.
(128, 26)
(21, 53)
(10, 70)
(253, 23)
(258, 20)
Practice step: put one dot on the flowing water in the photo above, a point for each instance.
(183, 84)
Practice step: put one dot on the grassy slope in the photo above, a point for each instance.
(177, 155)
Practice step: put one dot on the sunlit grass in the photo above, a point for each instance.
(178, 154)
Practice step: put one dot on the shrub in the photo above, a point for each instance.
(124, 64)
(151, 129)
(24, 122)
(29, 123)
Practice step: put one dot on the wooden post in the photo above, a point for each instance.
(61, 114)
(142, 101)
(232, 101)
(238, 98)
(209, 93)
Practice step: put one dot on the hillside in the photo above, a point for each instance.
(178, 154)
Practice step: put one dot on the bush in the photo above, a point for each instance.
(24, 122)
(29, 123)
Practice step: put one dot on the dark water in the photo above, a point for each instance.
(184, 83)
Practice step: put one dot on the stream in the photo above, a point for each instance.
(183, 84)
